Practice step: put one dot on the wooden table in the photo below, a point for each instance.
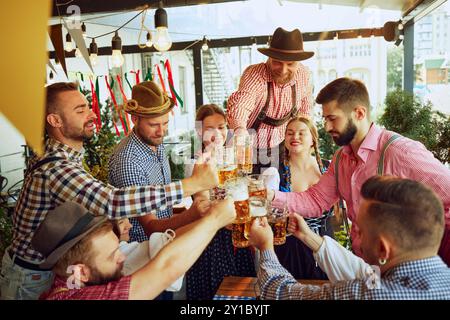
(247, 286)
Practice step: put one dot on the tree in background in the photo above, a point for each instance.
(407, 115)
(394, 69)
(327, 147)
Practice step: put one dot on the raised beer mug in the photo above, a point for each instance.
(277, 219)
(258, 209)
(243, 145)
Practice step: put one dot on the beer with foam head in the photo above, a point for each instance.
(258, 209)
(257, 186)
(237, 189)
(244, 153)
(278, 222)
(226, 173)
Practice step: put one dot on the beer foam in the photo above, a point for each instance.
(238, 194)
(257, 211)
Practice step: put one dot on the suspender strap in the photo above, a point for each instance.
(336, 170)
(380, 167)
(40, 163)
(262, 116)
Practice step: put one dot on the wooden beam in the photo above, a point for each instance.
(245, 41)
(103, 6)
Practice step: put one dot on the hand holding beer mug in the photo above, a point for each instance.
(224, 211)
(258, 209)
(205, 172)
(257, 185)
(278, 222)
(237, 189)
(261, 235)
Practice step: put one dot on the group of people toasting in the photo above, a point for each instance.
(262, 184)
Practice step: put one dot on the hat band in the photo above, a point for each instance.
(285, 51)
(132, 106)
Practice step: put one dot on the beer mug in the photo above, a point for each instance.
(257, 185)
(226, 164)
(244, 153)
(258, 209)
(237, 189)
(238, 234)
(277, 219)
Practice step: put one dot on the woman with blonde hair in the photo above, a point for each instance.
(300, 169)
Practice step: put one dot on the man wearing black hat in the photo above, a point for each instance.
(271, 93)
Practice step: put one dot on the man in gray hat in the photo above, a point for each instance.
(59, 176)
(83, 251)
(270, 93)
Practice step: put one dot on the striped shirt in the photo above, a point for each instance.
(425, 279)
(134, 163)
(115, 290)
(245, 104)
(405, 158)
(59, 181)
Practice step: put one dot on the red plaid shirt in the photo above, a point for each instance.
(245, 104)
(116, 290)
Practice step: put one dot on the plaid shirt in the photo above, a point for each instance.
(59, 181)
(245, 104)
(134, 163)
(414, 280)
(116, 290)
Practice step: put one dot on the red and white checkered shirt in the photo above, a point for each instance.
(116, 290)
(245, 104)
(56, 182)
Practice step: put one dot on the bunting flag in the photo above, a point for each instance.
(113, 98)
(50, 64)
(77, 36)
(24, 28)
(128, 82)
(137, 76)
(81, 82)
(95, 107)
(148, 76)
(174, 93)
(124, 98)
(161, 79)
(57, 41)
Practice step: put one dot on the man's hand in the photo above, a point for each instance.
(200, 207)
(222, 212)
(204, 175)
(300, 229)
(261, 235)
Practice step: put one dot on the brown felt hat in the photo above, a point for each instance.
(62, 228)
(148, 101)
(286, 46)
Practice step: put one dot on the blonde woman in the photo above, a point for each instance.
(300, 169)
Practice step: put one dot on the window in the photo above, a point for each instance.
(182, 87)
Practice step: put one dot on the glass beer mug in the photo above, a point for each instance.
(258, 209)
(244, 153)
(237, 189)
(277, 219)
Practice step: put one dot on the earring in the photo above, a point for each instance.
(382, 261)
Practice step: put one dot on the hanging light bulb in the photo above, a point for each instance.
(336, 37)
(116, 57)
(69, 44)
(254, 44)
(268, 41)
(78, 53)
(371, 34)
(51, 76)
(83, 29)
(149, 42)
(93, 52)
(205, 44)
(162, 41)
(359, 34)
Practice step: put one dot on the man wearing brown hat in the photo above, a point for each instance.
(59, 176)
(83, 251)
(270, 93)
(140, 159)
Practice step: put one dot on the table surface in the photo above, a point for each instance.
(247, 286)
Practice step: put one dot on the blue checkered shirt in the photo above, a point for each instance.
(59, 181)
(415, 280)
(134, 163)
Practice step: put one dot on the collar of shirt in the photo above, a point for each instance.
(369, 144)
(424, 266)
(57, 148)
(145, 148)
(267, 76)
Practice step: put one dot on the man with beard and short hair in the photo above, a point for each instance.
(83, 251)
(367, 150)
(59, 176)
(270, 94)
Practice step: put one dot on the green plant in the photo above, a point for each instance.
(327, 147)
(407, 115)
(6, 231)
(342, 238)
(99, 149)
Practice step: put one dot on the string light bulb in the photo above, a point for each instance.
(149, 42)
(51, 76)
(336, 36)
(83, 29)
(205, 44)
(93, 52)
(69, 44)
(117, 59)
(162, 41)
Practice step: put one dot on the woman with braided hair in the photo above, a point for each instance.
(299, 170)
